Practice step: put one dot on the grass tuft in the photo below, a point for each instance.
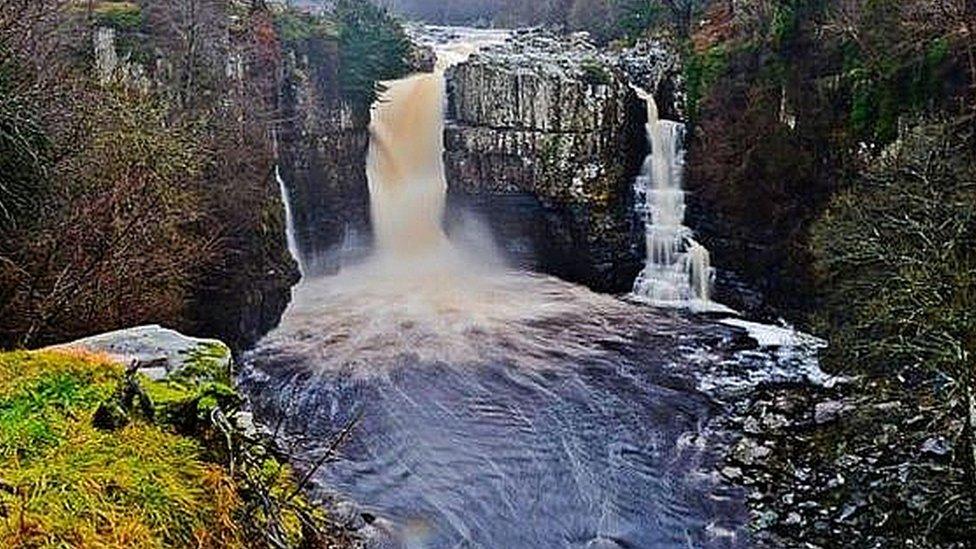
(65, 483)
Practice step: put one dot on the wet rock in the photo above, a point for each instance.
(938, 446)
(851, 509)
(775, 422)
(838, 480)
(793, 519)
(765, 519)
(829, 411)
(656, 67)
(748, 452)
(751, 426)
(244, 421)
(732, 473)
(322, 148)
(888, 406)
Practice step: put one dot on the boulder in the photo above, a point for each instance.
(159, 353)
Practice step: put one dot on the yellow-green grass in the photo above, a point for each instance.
(64, 483)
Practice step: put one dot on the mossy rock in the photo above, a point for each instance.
(93, 454)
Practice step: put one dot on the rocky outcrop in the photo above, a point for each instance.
(656, 67)
(322, 145)
(158, 352)
(544, 137)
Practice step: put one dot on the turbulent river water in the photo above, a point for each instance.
(491, 407)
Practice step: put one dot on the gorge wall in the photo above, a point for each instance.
(322, 146)
(157, 168)
(543, 139)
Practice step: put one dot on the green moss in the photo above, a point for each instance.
(69, 484)
(701, 71)
(595, 73)
(65, 483)
(207, 362)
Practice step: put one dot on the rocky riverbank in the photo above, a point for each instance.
(855, 459)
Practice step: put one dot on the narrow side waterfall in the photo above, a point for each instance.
(678, 270)
(289, 222)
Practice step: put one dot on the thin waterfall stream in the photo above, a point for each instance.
(292, 239)
(497, 407)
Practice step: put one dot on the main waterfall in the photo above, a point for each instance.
(677, 271)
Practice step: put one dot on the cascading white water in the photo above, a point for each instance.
(678, 270)
(289, 222)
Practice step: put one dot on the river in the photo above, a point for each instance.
(492, 407)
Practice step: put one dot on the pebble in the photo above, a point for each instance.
(794, 519)
(732, 473)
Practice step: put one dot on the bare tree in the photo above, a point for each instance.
(193, 38)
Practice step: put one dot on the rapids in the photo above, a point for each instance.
(496, 408)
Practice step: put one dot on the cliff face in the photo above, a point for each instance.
(241, 290)
(322, 147)
(543, 140)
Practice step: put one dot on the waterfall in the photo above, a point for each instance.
(289, 221)
(678, 270)
(405, 164)
(405, 167)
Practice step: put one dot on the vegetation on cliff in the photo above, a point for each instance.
(360, 43)
(150, 151)
(144, 194)
(832, 159)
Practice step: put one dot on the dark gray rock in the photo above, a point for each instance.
(322, 148)
(829, 411)
(553, 125)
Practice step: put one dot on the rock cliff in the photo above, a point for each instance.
(543, 139)
(322, 145)
(242, 295)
